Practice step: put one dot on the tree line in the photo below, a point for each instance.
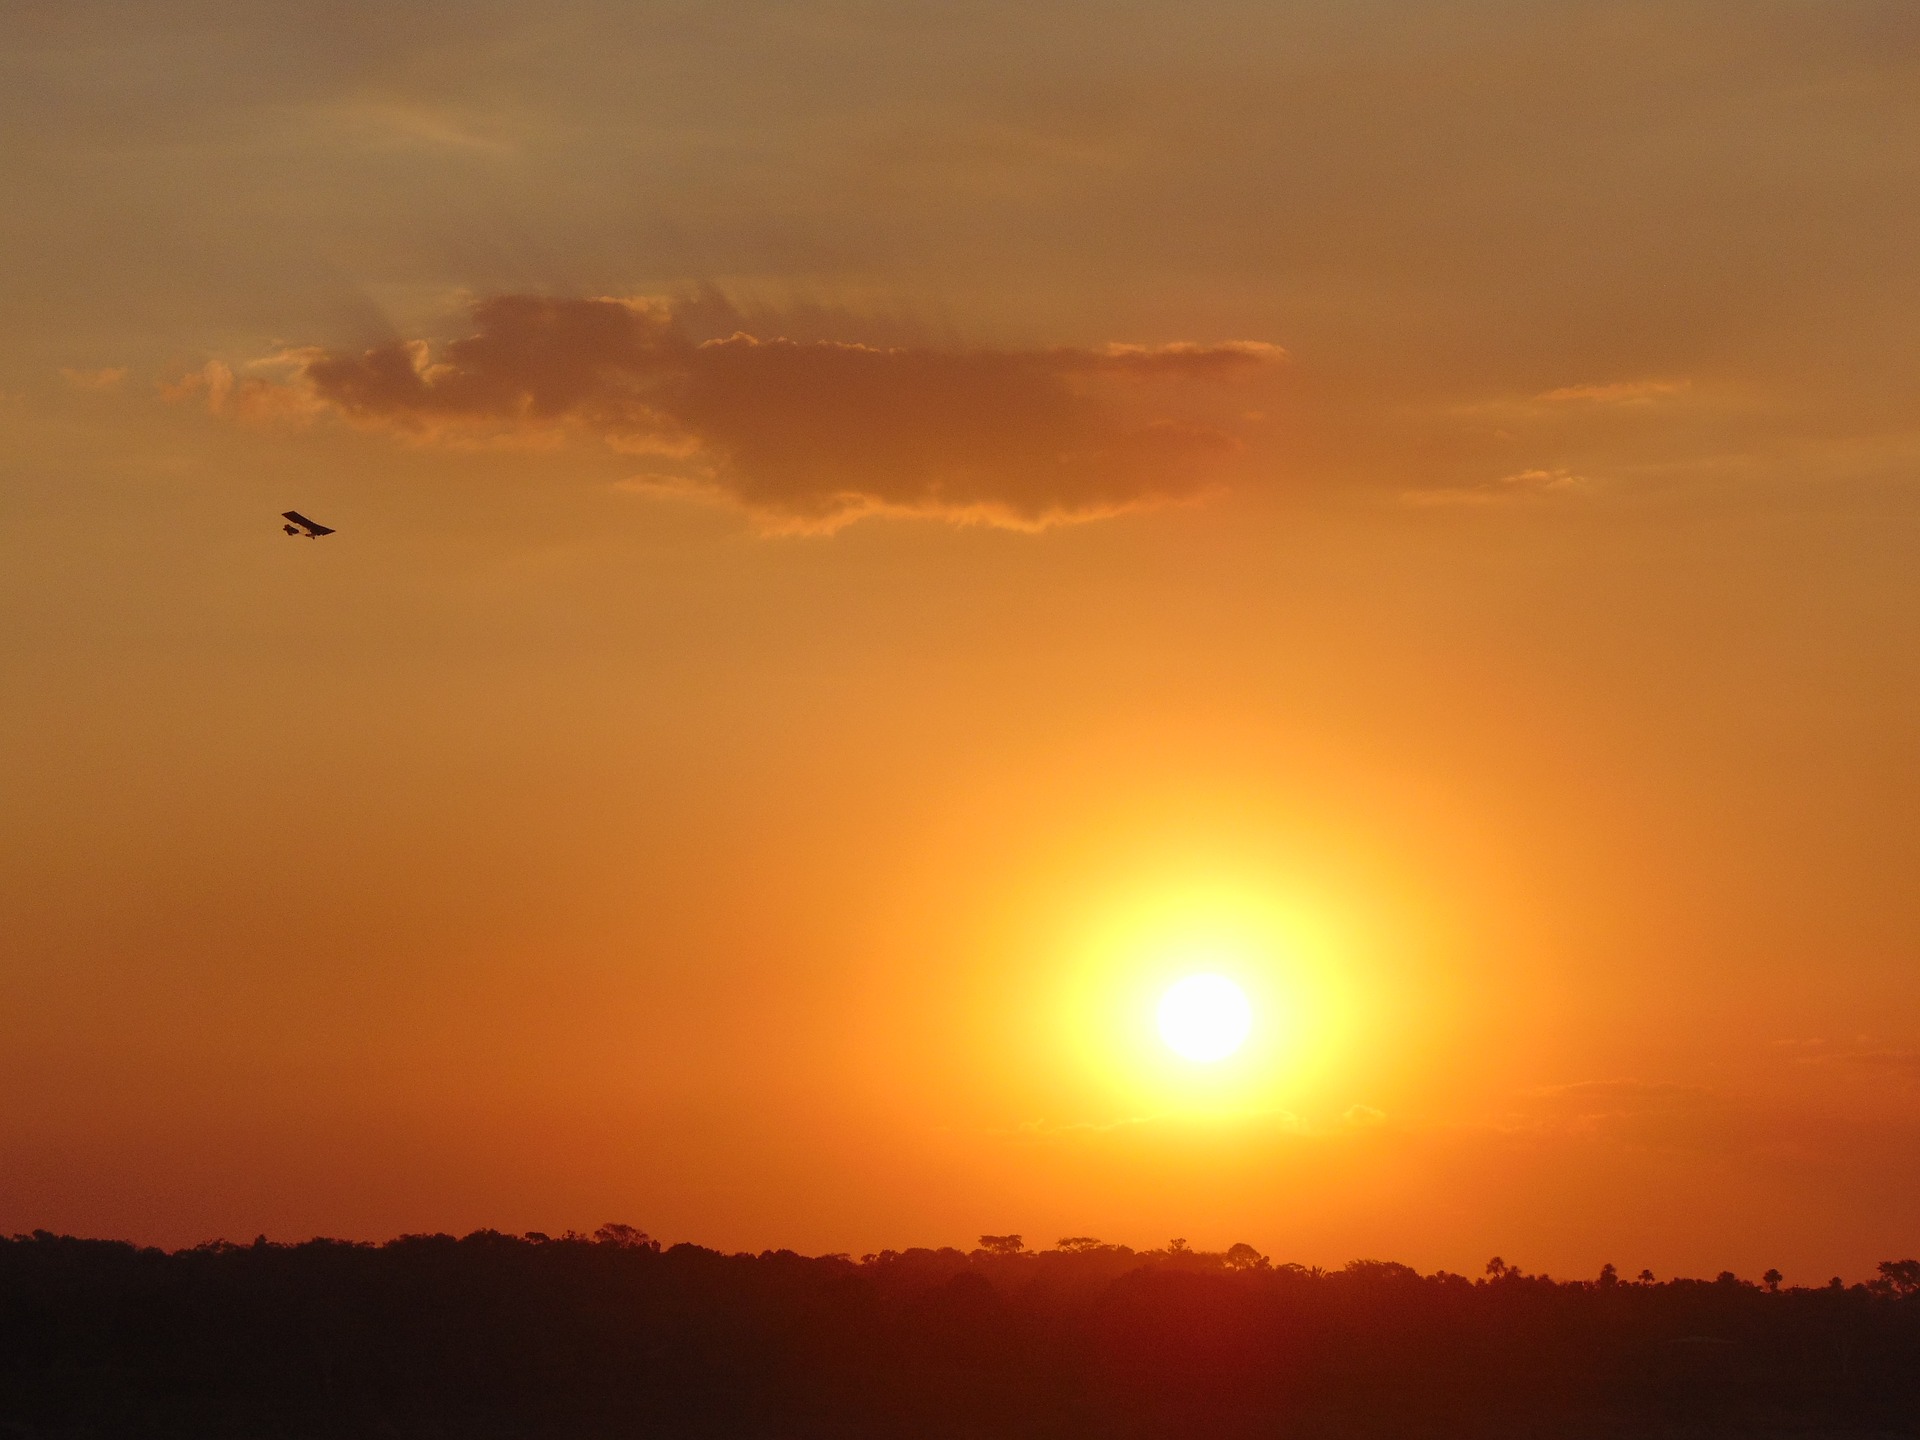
(615, 1335)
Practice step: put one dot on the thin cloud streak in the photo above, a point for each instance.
(1525, 485)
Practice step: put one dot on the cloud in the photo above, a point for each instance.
(1618, 392)
(805, 434)
(1641, 1114)
(1587, 1099)
(1525, 484)
(1862, 1056)
(1765, 1125)
(1241, 1124)
(1902, 1064)
(107, 379)
(271, 392)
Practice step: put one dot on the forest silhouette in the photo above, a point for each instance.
(495, 1335)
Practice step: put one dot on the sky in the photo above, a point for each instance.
(873, 538)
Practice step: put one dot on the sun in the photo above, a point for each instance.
(1205, 1018)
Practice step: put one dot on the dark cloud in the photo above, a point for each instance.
(814, 432)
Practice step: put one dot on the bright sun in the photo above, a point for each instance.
(1205, 1018)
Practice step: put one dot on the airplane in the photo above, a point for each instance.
(313, 528)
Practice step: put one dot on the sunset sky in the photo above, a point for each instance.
(875, 537)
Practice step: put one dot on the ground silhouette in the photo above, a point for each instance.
(614, 1335)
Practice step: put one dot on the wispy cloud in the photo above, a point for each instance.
(265, 389)
(1239, 1123)
(1866, 1056)
(384, 125)
(107, 379)
(1522, 485)
(1617, 392)
(1664, 1116)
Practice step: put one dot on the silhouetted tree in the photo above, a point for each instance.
(1902, 1277)
(622, 1237)
(1243, 1256)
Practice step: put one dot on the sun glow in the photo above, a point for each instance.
(1205, 1018)
(1206, 1000)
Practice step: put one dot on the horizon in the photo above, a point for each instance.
(1012, 1246)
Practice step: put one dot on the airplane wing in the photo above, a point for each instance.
(312, 527)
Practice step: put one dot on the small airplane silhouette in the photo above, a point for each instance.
(313, 528)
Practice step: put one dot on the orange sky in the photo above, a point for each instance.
(871, 535)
